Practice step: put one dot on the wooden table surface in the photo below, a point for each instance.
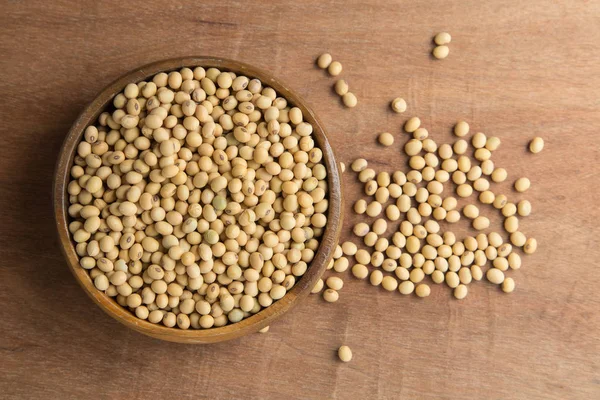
(516, 69)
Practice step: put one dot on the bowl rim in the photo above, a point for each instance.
(263, 318)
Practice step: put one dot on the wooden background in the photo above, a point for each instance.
(516, 69)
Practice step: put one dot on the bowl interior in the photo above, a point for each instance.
(255, 322)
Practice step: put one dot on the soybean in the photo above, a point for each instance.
(522, 184)
(412, 124)
(442, 38)
(349, 100)
(335, 68)
(441, 52)
(536, 145)
(422, 290)
(324, 60)
(386, 139)
(341, 87)
(399, 105)
(345, 354)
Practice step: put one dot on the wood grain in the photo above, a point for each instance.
(516, 69)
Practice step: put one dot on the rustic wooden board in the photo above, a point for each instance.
(516, 69)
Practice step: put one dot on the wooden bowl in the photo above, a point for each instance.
(255, 322)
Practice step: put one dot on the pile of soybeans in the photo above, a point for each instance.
(415, 200)
(199, 199)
